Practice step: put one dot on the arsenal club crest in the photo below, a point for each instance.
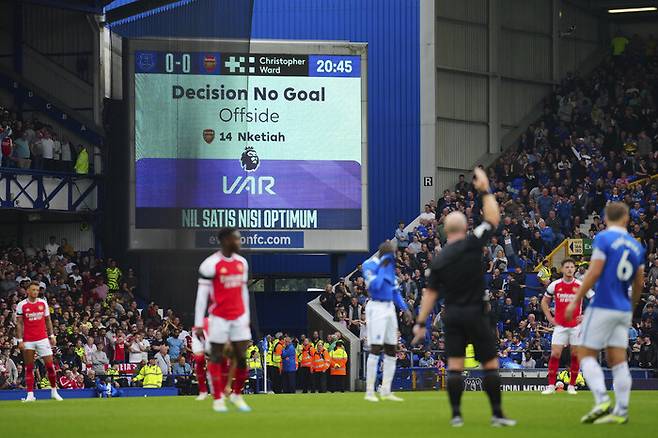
(208, 135)
(210, 63)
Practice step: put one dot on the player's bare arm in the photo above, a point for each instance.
(50, 331)
(638, 286)
(19, 332)
(201, 306)
(545, 307)
(426, 306)
(588, 282)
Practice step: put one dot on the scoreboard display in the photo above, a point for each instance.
(269, 139)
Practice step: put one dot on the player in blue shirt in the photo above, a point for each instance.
(382, 320)
(617, 265)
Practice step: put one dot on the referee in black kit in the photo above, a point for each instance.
(457, 275)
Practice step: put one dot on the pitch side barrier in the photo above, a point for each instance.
(532, 380)
(44, 394)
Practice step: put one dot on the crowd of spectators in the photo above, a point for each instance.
(31, 144)
(109, 338)
(596, 142)
(101, 327)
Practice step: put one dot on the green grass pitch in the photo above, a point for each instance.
(423, 414)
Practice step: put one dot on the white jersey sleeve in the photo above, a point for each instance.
(19, 308)
(204, 288)
(245, 288)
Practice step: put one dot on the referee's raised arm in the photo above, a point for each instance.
(490, 209)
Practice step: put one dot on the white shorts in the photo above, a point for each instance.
(42, 347)
(198, 346)
(603, 328)
(381, 323)
(221, 330)
(566, 335)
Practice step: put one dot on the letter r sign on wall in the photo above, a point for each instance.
(427, 181)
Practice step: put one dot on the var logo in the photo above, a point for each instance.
(260, 185)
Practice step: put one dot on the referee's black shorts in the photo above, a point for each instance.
(469, 325)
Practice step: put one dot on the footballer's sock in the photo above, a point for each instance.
(52, 375)
(371, 372)
(228, 373)
(218, 374)
(241, 374)
(29, 377)
(574, 370)
(553, 365)
(594, 377)
(491, 384)
(622, 382)
(200, 370)
(455, 386)
(388, 373)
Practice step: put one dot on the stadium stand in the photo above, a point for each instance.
(32, 144)
(596, 142)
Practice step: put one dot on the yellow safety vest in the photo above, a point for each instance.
(268, 357)
(254, 364)
(151, 376)
(469, 357)
(82, 162)
(276, 357)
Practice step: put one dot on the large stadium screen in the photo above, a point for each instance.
(270, 140)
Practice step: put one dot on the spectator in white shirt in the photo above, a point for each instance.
(138, 350)
(67, 160)
(90, 349)
(427, 215)
(47, 150)
(52, 247)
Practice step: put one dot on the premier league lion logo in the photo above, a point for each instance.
(249, 159)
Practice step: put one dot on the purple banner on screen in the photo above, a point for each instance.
(187, 183)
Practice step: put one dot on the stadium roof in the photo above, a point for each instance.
(114, 10)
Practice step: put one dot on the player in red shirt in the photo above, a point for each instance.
(35, 333)
(223, 279)
(563, 291)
